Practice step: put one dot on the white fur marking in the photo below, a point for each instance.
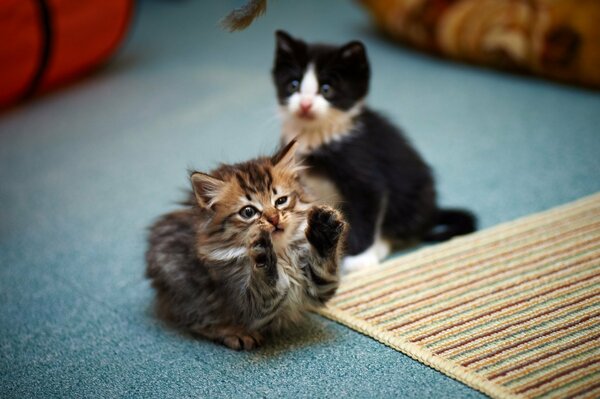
(227, 254)
(299, 232)
(363, 260)
(309, 87)
(380, 249)
(308, 93)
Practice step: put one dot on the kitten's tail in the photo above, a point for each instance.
(450, 223)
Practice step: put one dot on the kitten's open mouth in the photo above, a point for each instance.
(278, 230)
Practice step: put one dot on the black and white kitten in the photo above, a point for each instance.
(357, 160)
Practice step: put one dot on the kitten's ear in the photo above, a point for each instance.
(206, 188)
(286, 157)
(354, 51)
(284, 42)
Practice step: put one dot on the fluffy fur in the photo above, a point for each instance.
(247, 256)
(357, 160)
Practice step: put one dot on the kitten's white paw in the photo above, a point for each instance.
(371, 257)
(382, 248)
(361, 261)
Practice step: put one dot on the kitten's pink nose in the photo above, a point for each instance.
(305, 105)
(273, 219)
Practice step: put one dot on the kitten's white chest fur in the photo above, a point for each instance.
(311, 134)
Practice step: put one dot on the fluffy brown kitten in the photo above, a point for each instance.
(248, 256)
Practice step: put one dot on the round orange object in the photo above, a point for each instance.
(48, 42)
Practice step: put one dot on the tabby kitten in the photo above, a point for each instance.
(248, 255)
(357, 160)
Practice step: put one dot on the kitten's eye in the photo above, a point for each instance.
(281, 201)
(326, 90)
(293, 86)
(247, 212)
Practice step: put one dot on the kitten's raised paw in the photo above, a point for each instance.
(325, 227)
(242, 341)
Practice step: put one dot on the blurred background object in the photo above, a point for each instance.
(557, 39)
(47, 43)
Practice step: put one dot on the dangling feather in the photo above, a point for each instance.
(242, 17)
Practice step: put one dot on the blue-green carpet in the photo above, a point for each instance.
(84, 170)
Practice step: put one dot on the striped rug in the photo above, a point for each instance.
(513, 311)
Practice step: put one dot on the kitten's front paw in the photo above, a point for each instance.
(325, 228)
(261, 250)
(263, 255)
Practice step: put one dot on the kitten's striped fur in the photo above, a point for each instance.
(233, 278)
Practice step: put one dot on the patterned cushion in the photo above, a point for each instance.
(558, 39)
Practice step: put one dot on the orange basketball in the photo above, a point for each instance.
(49, 42)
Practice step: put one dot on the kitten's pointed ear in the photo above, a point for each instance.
(284, 42)
(206, 188)
(354, 51)
(286, 157)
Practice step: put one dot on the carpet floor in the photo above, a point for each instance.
(513, 310)
(85, 170)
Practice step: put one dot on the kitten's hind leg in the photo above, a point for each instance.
(242, 341)
(236, 338)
